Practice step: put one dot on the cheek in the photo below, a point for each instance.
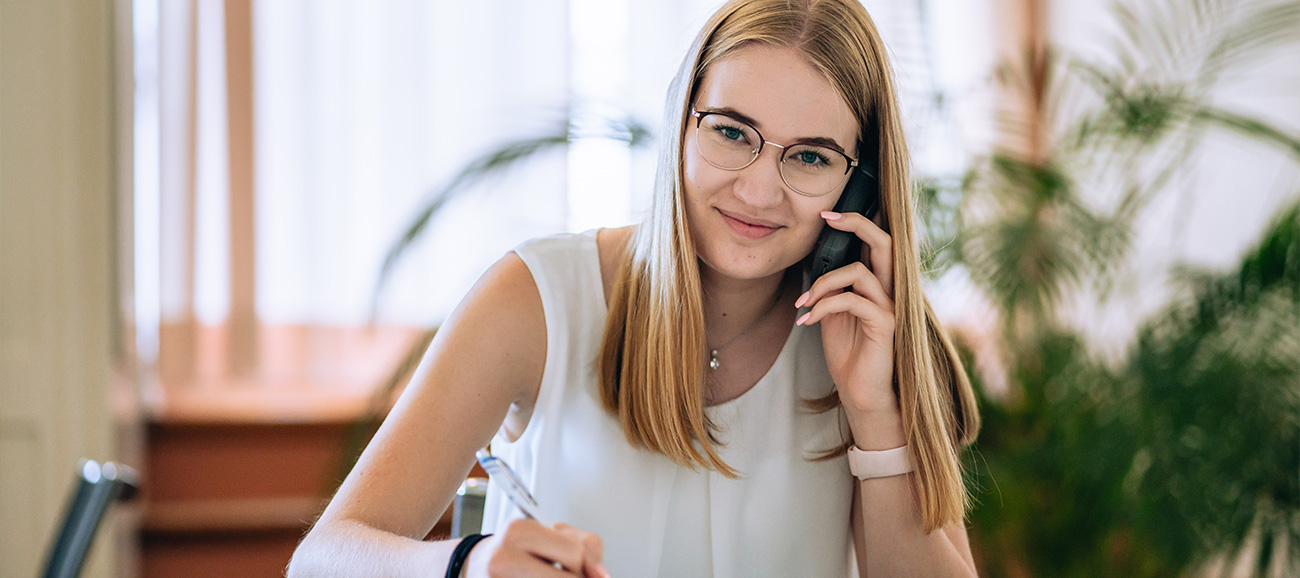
(811, 219)
(701, 180)
(811, 208)
(695, 191)
(694, 169)
(690, 174)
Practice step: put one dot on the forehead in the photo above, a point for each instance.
(782, 91)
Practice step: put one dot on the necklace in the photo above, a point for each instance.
(713, 353)
(714, 364)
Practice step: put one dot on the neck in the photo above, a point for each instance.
(737, 305)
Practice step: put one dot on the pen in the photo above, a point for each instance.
(513, 486)
(515, 489)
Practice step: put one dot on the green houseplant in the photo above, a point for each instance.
(1152, 465)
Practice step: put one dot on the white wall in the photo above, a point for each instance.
(59, 177)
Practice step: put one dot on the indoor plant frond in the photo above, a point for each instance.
(497, 161)
(1216, 379)
(491, 163)
(1129, 127)
(1141, 466)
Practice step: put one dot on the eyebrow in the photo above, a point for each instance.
(742, 117)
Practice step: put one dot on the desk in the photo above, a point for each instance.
(231, 492)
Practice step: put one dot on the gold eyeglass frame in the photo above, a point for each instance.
(699, 119)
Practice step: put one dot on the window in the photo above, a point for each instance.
(283, 146)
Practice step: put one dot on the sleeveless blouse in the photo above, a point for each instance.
(786, 515)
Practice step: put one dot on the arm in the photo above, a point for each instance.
(888, 535)
(487, 358)
(858, 337)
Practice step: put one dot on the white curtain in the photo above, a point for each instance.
(364, 108)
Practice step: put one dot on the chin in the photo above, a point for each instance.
(734, 254)
(741, 262)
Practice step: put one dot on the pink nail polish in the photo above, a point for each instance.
(802, 299)
(831, 215)
(803, 319)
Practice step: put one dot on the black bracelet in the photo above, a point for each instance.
(461, 553)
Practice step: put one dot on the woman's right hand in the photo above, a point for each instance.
(526, 548)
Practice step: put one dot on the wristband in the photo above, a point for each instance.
(461, 554)
(867, 465)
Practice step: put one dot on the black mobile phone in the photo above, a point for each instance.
(837, 248)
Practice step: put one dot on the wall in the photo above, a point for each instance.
(60, 153)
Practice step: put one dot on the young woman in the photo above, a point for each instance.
(676, 393)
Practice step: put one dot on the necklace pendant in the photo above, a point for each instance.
(713, 360)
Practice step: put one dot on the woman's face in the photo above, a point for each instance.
(748, 224)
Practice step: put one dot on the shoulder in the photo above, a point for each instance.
(501, 317)
(508, 287)
(511, 287)
(504, 311)
(504, 308)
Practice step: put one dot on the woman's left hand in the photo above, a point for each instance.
(855, 306)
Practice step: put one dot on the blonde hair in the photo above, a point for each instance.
(653, 356)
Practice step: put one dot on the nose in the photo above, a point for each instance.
(760, 185)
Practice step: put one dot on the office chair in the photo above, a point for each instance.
(467, 516)
(97, 487)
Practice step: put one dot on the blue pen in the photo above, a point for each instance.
(513, 486)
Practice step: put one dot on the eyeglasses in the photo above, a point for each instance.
(730, 144)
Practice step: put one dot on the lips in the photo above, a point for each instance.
(748, 227)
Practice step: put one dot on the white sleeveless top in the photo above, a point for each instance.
(785, 516)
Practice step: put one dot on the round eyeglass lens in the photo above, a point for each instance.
(728, 143)
(813, 170)
(808, 169)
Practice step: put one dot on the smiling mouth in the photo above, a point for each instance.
(747, 229)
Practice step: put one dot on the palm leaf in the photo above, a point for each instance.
(1251, 128)
(1132, 135)
(1256, 28)
(481, 168)
(1134, 467)
(497, 161)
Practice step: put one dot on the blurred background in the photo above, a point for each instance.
(229, 228)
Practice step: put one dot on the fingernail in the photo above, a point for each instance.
(802, 298)
(601, 568)
(831, 215)
(804, 318)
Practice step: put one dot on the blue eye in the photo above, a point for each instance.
(809, 157)
(731, 132)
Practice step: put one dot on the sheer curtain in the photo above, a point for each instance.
(362, 109)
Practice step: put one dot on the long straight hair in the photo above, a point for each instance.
(653, 355)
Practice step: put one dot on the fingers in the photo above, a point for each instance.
(592, 551)
(877, 245)
(872, 314)
(529, 548)
(854, 276)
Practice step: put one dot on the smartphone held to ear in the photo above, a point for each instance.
(837, 248)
